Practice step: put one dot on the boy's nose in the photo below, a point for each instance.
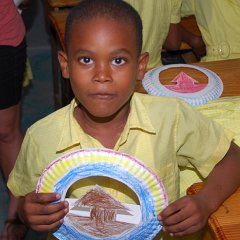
(103, 73)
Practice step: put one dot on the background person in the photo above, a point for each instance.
(218, 22)
(12, 66)
(161, 20)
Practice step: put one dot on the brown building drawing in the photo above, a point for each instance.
(103, 207)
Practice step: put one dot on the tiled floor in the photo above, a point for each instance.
(37, 103)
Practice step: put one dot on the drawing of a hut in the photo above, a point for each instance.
(103, 207)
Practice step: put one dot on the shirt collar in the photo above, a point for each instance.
(71, 129)
(138, 119)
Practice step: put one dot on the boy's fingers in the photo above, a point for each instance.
(43, 197)
(176, 217)
(55, 207)
(170, 210)
(47, 228)
(46, 209)
(177, 207)
(48, 219)
(183, 228)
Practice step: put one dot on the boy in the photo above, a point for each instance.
(103, 60)
(12, 61)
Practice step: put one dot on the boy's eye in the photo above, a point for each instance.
(118, 61)
(85, 60)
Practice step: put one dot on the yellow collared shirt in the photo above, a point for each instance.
(219, 23)
(164, 133)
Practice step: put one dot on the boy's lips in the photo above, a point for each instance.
(103, 96)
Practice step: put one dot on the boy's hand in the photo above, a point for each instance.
(185, 216)
(38, 211)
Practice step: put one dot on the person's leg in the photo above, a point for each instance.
(10, 142)
(10, 138)
(12, 62)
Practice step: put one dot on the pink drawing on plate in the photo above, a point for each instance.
(185, 84)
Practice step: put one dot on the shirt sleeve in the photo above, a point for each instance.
(200, 142)
(175, 11)
(25, 174)
(187, 8)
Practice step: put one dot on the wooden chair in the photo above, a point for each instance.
(224, 224)
(57, 5)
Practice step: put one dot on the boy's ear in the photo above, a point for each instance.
(142, 65)
(63, 61)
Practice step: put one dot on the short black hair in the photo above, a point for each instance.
(117, 10)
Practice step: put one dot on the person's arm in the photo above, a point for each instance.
(173, 40)
(38, 211)
(223, 180)
(190, 213)
(195, 42)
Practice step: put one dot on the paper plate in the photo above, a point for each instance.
(64, 171)
(152, 84)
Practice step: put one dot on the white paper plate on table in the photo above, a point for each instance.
(214, 88)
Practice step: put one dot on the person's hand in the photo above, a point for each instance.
(40, 211)
(185, 216)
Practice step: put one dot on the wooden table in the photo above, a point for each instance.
(228, 71)
(58, 19)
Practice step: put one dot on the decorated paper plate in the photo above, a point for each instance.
(186, 87)
(96, 214)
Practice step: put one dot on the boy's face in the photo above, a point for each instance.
(102, 63)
